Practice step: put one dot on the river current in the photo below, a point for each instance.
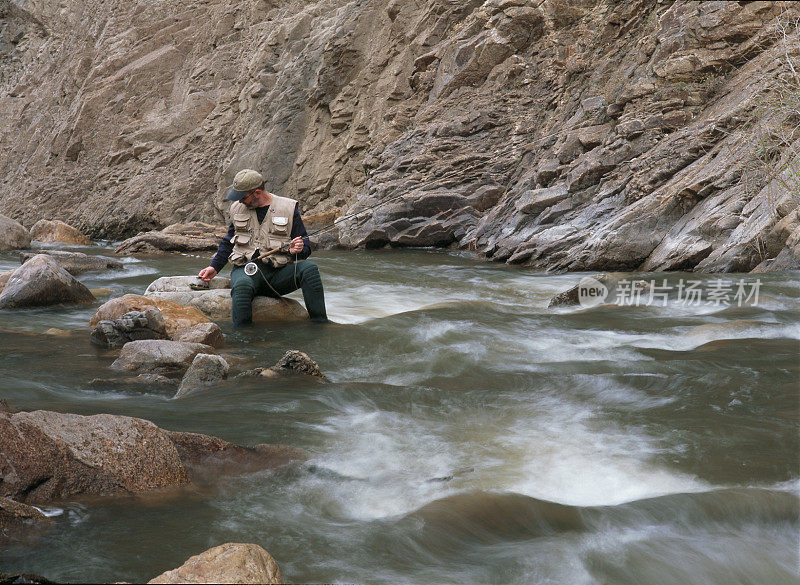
(470, 434)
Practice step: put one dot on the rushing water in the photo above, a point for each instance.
(470, 434)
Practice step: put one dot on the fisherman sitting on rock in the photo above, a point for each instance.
(262, 222)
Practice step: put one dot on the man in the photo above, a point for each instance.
(262, 221)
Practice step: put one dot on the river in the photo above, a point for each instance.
(469, 435)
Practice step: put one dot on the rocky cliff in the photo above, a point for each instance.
(564, 134)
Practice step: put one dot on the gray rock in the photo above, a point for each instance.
(188, 237)
(132, 326)
(204, 371)
(208, 333)
(13, 235)
(77, 262)
(40, 281)
(158, 355)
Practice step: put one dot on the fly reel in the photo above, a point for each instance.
(250, 268)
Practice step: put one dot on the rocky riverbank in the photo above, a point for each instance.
(566, 135)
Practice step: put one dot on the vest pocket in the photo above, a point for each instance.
(280, 224)
(241, 221)
(240, 240)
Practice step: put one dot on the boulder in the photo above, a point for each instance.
(40, 281)
(132, 326)
(175, 316)
(292, 362)
(226, 563)
(204, 371)
(4, 276)
(57, 231)
(13, 235)
(208, 333)
(49, 455)
(215, 302)
(158, 355)
(76, 262)
(180, 237)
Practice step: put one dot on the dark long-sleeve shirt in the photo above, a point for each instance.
(226, 246)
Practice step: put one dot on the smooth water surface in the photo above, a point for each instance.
(470, 434)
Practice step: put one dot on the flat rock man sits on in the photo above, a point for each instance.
(262, 221)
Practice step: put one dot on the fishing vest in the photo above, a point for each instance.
(250, 236)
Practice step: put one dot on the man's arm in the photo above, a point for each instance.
(299, 231)
(220, 258)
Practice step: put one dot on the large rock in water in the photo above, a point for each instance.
(216, 301)
(57, 231)
(226, 563)
(13, 235)
(208, 333)
(76, 262)
(158, 355)
(48, 455)
(176, 317)
(204, 371)
(40, 281)
(180, 237)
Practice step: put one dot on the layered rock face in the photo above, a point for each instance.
(565, 134)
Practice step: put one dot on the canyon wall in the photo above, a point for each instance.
(563, 134)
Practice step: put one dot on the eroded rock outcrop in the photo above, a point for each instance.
(132, 326)
(40, 281)
(562, 135)
(292, 362)
(189, 237)
(227, 563)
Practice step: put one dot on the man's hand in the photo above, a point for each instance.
(296, 246)
(207, 274)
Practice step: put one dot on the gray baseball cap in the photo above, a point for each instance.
(245, 181)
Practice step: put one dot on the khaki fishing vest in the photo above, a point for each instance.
(250, 236)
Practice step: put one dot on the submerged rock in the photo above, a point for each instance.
(132, 326)
(215, 302)
(227, 563)
(13, 235)
(57, 231)
(176, 316)
(158, 355)
(180, 237)
(40, 281)
(76, 262)
(292, 362)
(204, 371)
(17, 519)
(48, 455)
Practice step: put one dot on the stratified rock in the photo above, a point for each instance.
(227, 563)
(185, 237)
(175, 316)
(158, 355)
(292, 362)
(76, 262)
(40, 281)
(49, 455)
(132, 326)
(57, 231)
(204, 371)
(215, 302)
(208, 333)
(13, 235)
